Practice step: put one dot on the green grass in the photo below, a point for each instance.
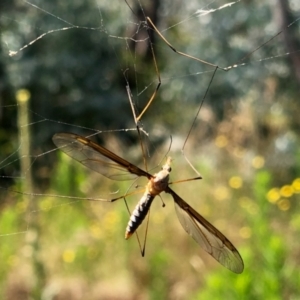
(82, 245)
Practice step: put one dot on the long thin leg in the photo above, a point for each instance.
(179, 52)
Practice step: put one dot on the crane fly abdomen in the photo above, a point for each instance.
(138, 214)
(157, 184)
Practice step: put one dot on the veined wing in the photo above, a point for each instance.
(97, 157)
(207, 236)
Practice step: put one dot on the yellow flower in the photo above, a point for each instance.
(296, 185)
(236, 182)
(69, 256)
(287, 191)
(273, 195)
(221, 193)
(258, 162)
(284, 204)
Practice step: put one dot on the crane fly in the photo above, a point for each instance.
(114, 167)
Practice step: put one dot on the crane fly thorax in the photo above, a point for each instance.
(160, 180)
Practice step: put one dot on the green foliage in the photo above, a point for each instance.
(85, 240)
(268, 267)
(77, 78)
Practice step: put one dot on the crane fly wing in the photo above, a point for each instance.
(96, 157)
(207, 236)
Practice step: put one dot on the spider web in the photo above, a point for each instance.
(37, 60)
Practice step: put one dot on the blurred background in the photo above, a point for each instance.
(64, 66)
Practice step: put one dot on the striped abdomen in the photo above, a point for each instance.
(138, 214)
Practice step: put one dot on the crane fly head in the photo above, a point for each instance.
(167, 165)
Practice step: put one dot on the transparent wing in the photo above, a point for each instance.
(97, 157)
(207, 236)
